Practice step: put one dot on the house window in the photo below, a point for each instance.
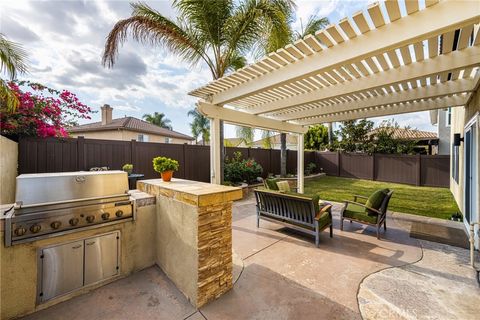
(143, 138)
(168, 140)
(449, 117)
(455, 161)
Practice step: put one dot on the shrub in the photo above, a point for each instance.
(162, 164)
(240, 170)
(310, 169)
(128, 168)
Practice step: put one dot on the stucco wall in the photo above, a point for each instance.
(8, 169)
(126, 135)
(18, 264)
(460, 117)
(443, 133)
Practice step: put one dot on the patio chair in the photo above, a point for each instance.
(278, 185)
(373, 212)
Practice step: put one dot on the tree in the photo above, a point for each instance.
(385, 142)
(200, 126)
(158, 119)
(247, 134)
(267, 139)
(355, 136)
(12, 62)
(219, 33)
(275, 41)
(42, 112)
(316, 138)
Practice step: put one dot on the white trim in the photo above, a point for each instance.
(300, 163)
(215, 151)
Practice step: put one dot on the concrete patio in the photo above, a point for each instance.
(280, 274)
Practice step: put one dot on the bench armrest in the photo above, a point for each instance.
(362, 205)
(322, 210)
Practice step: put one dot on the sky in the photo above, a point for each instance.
(65, 41)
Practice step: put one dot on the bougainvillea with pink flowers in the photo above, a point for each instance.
(43, 112)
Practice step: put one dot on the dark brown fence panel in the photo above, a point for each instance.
(197, 163)
(356, 165)
(262, 156)
(328, 161)
(275, 161)
(291, 161)
(106, 153)
(47, 155)
(145, 152)
(396, 168)
(230, 151)
(435, 171)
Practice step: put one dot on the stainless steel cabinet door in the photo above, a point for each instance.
(101, 257)
(62, 269)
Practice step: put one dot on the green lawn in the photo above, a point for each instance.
(423, 201)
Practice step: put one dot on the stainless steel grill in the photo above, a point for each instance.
(52, 204)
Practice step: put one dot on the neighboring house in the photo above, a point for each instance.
(426, 141)
(442, 118)
(126, 129)
(275, 142)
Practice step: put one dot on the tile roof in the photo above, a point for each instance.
(275, 139)
(410, 134)
(129, 123)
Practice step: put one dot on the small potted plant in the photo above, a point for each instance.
(128, 168)
(165, 166)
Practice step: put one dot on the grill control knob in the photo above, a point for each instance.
(73, 221)
(105, 216)
(35, 228)
(55, 224)
(90, 218)
(20, 231)
(119, 213)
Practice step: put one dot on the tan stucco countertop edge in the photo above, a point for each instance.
(191, 192)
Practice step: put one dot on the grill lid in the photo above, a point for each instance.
(42, 188)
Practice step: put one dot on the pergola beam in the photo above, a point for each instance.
(246, 119)
(407, 107)
(445, 16)
(428, 92)
(444, 63)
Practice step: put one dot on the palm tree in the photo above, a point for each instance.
(12, 62)
(158, 119)
(274, 42)
(200, 126)
(247, 134)
(219, 33)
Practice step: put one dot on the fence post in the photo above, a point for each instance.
(373, 167)
(81, 154)
(338, 163)
(419, 170)
(185, 173)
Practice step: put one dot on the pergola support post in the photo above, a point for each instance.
(300, 163)
(215, 151)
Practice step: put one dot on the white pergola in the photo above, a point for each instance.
(394, 57)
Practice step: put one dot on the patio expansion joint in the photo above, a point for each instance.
(255, 253)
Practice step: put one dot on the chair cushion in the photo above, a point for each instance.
(271, 183)
(283, 186)
(324, 220)
(358, 213)
(375, 201)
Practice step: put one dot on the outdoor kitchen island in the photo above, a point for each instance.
(194, 235)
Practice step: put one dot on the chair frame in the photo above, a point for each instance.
(381, 213)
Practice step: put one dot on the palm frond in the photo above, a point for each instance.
(313, 25)
(8, 99)
(12, 57)
(148, 26)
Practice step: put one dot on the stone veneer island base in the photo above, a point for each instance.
(194, 235)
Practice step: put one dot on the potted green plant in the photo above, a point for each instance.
(165, 166)
(128, 168)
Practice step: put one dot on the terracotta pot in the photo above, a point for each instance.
(166, 175)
